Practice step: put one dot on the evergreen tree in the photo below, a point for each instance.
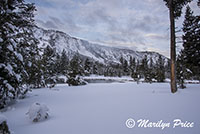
(121, 60)
(76, 67)
(182, 72)
(94, 68)
(145, 69)
(132, 64)
(35, 73)
(125, 67)
(106, 71)
(76, 70)
(136, 75)
(151, 70)
(160, 70)
(58, 65)
(122, 65)
(49, 66)
(87, 67)
(191, 42)
(15, 23)
(64, 63)
(32, 61)
(167, 69)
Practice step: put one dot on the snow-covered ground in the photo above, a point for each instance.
(126, 78)
(104, 109)
(103, 79)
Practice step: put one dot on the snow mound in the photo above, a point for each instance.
(2, 118)
(38, 112)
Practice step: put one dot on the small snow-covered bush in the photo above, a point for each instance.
(3, 125)
(62, 79)
(38, 112)
(75, 81)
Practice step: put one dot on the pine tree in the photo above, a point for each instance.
(76, 70)
(151, 70)
(182, 72)
(28, 45)
(167, 69)
(58, 65)
(135, 75)
(49, 66)
(175, 11)
(121, 60)
(32, 61)
(136, 72)
(16, 40)
(76, 66)
(35, 77)
(87, 67)
(191, 42)
(132, 64)
(125, 67)
(64, 63)
(94, 68)
(160, 70)
(145, 69)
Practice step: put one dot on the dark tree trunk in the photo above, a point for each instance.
(172, 47)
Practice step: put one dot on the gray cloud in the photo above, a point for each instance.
(47, 24)
(133, 23)
(157, 37)
(56, 20)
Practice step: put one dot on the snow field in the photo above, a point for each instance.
(104, 109)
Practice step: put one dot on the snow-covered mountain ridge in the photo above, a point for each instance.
(103, 54)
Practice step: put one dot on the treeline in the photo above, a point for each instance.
(78, 65)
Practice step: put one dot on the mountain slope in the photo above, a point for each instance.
(103, 54)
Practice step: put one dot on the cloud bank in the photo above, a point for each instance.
(141, 25)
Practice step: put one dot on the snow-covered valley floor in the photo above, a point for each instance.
(104, 109)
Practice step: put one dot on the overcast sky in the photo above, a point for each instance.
(142, 25)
